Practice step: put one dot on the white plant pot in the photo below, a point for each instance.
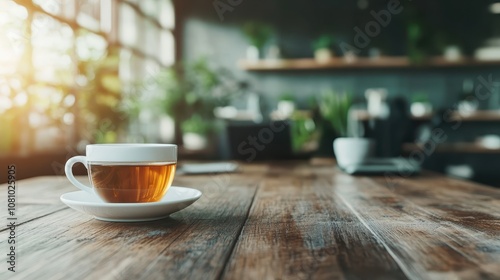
(350, 150)
(194, 141)
(253, 53)
(452, 53)
(467, 107)
(419, 109)
(286, 108)
(323, 55)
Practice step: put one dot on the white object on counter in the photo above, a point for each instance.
(204, 168)
(377, 107)
(350, 150)
(419, 109)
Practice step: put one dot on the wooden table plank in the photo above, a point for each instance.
(31, 206)
(194, 243)
(426, 242)
(299, 229)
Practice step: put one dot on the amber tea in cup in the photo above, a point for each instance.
(127, 173)
(131, 183)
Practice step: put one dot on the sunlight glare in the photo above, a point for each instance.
(21, 99)
(69, 118)
(5, 103)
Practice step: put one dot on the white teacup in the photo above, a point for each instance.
(127, 173)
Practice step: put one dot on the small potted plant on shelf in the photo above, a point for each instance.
(286, 104)
(420, 105)
(322, 47)
(468, 103)
(258, 35)
(195, 132)
(348, 148)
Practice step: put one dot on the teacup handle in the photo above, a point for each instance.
(68, 169)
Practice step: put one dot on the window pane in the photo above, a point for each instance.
(89, 14)
(167, 15)
(128, 25)
(167, 48)
(137, 67)
(50, 116)
(152, 41)
(107, 16)
(150, 7)
(46, 99)
(63, 8)
(90, 8)
(151, 69)
(136, 2)
(126, 70)
(52, 50)
(90, 46)
(45, 77)
(54, 7)
(13, 36)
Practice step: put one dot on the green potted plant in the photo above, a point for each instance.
(195, 132)
(195, 89)
(420, 104)
(468, 102)
(286, 105)
(334, 108)
(322, 47)
(258, 34)
(304, 132)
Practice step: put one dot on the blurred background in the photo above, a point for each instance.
(252, 80)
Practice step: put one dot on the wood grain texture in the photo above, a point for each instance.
(299, 229)
(192, 244)
(435, 228)
(30, 205)
(477, 116)
(273, 220)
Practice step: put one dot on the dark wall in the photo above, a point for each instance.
(297, 23)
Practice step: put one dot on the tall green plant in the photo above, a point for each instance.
(334, 108)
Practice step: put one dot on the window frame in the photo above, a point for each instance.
(109, 31)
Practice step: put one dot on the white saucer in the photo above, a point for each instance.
(177, 198)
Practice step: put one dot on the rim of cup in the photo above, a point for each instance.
(127, 153)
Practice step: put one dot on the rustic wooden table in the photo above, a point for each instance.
(269, 221)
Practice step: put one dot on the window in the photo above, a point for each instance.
(65, 65)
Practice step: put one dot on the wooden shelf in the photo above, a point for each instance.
(358, 63)
(486, 115)
(483, 115)
(363, 115)
(468, 148)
